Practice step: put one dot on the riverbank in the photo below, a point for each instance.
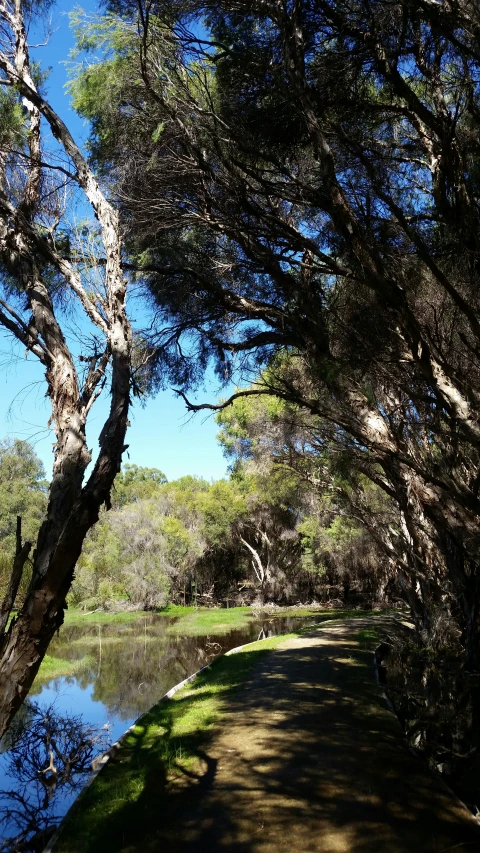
(285, 746)
(165, 746)
(183, 622)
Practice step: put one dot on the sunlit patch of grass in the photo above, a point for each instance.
(368, 638)
(211, 620)
(79, 617)
(166, 742)
(53, 667)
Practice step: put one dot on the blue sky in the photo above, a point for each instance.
(162, 435)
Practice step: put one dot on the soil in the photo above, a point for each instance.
(310, 759)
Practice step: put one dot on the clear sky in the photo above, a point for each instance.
(162, 435)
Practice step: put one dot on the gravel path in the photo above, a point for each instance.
(310, 759)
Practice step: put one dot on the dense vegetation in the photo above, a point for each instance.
(298, 196)
(299, 183)
(262, 535)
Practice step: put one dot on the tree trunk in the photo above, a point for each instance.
(72, 507)
(21, 556)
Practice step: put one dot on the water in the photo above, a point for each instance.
(124, 668)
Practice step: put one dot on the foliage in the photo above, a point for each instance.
(329, 235)
(23, 492)
(136, 483)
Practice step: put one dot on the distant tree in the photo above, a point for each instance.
(23, 492)
(135, 483)
(143, 553)
(342, 527)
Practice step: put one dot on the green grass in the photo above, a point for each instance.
(369, 638)
(193, 621)
(167, 742)
(52, 667)
(79, 617)
(210, 620)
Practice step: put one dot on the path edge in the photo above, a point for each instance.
(102, 760)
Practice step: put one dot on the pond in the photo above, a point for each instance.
(98, 679)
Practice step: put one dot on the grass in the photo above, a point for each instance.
(79, 617)
(194, 621)
(369, 636)
(167, 742)
(210, 620)
(52, 667)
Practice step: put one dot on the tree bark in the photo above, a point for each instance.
(73, 506)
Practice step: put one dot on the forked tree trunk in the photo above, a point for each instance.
(72, 508)
(25, 642)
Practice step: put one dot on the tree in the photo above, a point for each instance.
(46, 271)
(144, 552)
(338, 524)
(23, 490)
(338, 223)
(23, 493)
(135, 483)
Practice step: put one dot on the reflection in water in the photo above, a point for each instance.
(49, 756)
(123, 670)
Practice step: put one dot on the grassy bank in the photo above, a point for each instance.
(167, 743)
(193, 621)
(80, 617)
(53, 667)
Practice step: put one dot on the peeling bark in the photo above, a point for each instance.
(73, 506)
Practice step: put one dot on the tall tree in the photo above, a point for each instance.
(44, 275)
(275, 208)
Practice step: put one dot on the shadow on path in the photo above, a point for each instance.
(308, 759)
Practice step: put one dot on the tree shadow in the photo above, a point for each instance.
(308, 759)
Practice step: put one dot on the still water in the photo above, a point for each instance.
(123, 669)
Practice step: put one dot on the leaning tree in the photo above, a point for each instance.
(304, 176)
(51, 275)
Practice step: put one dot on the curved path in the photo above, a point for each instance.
(310, 759)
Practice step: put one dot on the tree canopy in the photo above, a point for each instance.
(302, 178)
(296, 187)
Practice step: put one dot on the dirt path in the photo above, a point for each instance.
(311, 760)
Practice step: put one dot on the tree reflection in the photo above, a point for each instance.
(49, 757)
